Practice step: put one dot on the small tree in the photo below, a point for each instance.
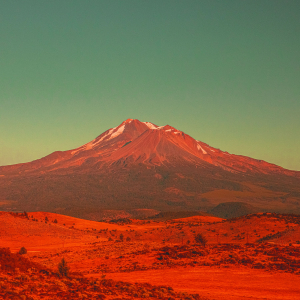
(23, 250)
(200, 239)
(63, 268)
(121, 237)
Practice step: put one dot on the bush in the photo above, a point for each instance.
(23, 250)
(10, 261)
(63, 269)
(200, 239)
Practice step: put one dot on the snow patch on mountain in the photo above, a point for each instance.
(111, 134)
(86, 146)
(200, 148)
(117, 132)
(151, 125)
(107, 134)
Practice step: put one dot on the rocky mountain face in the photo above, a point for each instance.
(139, 166)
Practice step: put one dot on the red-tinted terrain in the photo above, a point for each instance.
(251, 257)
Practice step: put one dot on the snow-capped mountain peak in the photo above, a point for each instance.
(146, 143)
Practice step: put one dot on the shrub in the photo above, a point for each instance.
(103, 275)
(23, 250)
(200, 239)
(63, 268)
(10, 261)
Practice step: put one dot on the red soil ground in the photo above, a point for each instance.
(221, 283)
(163, 253)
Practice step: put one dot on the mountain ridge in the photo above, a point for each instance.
(139, 165)
(148, 143)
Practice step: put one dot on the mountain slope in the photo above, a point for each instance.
(142, 165)
(143, 142)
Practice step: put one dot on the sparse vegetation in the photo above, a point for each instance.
(22, 251)
(9, 262)
(152, 246)
(200, 239)
(63, 269)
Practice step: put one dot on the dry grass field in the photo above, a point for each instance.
(251, 257)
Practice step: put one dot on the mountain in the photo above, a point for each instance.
(139, 165)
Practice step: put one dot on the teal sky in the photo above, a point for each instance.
(225, 72)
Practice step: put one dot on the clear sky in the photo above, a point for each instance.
(225, 72)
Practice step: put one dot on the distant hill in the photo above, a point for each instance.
(171, 215)
(230, 210)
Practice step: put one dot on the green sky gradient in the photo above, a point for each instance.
(225, 72)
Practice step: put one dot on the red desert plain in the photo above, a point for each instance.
(52, 256)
